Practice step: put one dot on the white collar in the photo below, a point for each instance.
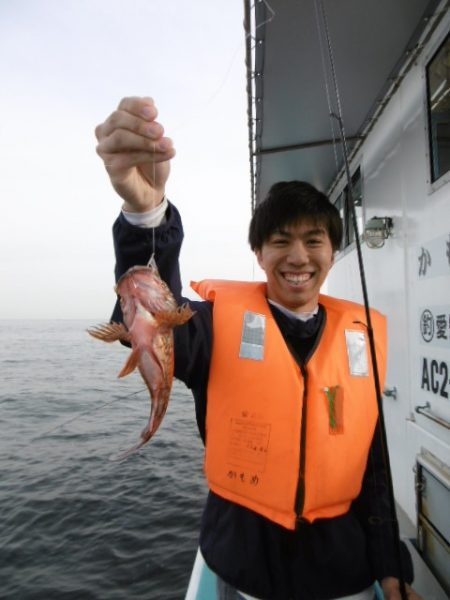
(303, 316)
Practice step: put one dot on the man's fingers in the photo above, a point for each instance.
(118, 162)
(135, 114)
(139, 159)
(123, 140)
(124, 120)
(140, 107)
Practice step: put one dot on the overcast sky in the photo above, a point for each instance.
(65, 65)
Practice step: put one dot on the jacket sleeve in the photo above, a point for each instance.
(373, 510)
(134, 246)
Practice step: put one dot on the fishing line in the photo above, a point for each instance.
(84, 413)
(151, 261)
(382, 428)
(327, 89)
(153, 228)
(213, 96)
(220, 87)
(216, 92)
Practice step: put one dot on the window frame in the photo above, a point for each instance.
(434, 182)
(348, 238)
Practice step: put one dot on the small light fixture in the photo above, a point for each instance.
(377, 230)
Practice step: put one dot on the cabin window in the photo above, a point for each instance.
(438, 91)
(339, 204)
(344, 207)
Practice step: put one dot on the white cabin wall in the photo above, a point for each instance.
(395, 179)
(382, 167)
(384, 195)
(426, 217)
(428, 211)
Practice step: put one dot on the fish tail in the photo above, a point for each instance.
(146, 434)
(131, 364)
(124, 455)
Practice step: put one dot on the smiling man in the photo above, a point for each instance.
(283, 388)
(295, 249)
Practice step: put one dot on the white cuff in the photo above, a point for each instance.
(150, 218)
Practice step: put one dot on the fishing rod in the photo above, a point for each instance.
(370, 335)
(382, 425)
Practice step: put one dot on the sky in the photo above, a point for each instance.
(64, 66)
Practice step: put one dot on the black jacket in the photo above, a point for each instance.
(323, 560)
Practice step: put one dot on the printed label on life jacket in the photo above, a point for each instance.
(253, 335)
(248, 443)
(357, 353)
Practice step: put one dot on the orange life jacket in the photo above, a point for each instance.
(286, 442)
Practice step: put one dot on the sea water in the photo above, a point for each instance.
(75, 524)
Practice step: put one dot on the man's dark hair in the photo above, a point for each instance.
(288, 203)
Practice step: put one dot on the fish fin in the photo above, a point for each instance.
(172, 318)
(110, 332)
(131, 364)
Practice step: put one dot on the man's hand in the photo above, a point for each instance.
(391, 590)
(135, 153)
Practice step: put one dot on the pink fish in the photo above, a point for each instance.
(150, 313)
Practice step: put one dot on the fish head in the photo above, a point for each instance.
(144, 284)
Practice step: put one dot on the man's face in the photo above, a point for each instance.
(296, 261)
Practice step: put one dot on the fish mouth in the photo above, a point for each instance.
(296, 279)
